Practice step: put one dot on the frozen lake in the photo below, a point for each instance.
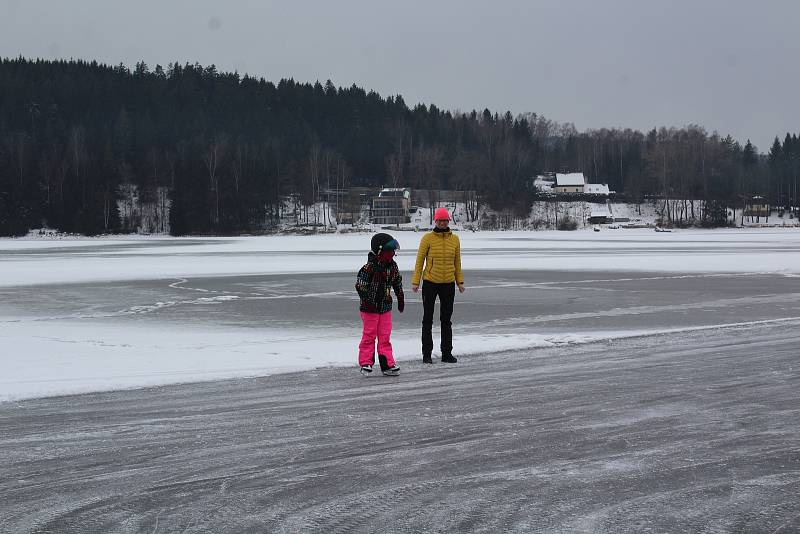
(616, 382)
(686, 432)
(100, 314)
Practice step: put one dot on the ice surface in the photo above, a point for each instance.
(99, 314)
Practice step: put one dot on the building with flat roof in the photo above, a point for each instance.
(596, 189)
(391, 206)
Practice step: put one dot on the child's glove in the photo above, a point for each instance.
(401, 303)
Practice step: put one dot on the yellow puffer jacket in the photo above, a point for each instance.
(440, 252)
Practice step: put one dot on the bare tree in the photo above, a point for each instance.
(394, 168)
(77, 141)
(314, 172)
(428, 169)
(20, 151)
(213, 155)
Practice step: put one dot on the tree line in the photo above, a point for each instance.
(79, 140)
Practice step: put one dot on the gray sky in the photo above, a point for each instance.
(728, 65)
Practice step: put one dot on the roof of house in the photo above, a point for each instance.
(599, 210)
(395, 192)
(570, 179)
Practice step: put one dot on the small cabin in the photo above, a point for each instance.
(756, 207)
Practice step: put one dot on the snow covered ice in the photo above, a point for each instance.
(101, 314)
(681, 416)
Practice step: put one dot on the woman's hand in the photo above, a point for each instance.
(414, 288)
(461, 288)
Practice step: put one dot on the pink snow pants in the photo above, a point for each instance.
(376, 325)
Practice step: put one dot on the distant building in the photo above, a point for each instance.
(391, 206)
(600, 214)
(756, 207)
(574, 183)
(596, 189)
(569, 183)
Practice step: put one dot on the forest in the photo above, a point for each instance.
(82, 142)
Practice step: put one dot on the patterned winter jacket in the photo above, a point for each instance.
(440, 253)
(374, 284)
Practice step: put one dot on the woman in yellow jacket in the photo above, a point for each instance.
(440, 254)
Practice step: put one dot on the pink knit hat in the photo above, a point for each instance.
(441, 214)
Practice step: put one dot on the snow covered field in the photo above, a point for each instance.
(99, 314)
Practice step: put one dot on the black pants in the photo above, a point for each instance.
(446, 294)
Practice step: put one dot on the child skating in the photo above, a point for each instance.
(374, 285)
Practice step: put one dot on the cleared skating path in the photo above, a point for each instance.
(694, 432)
(496, 302)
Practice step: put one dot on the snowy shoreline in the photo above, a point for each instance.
(37, 262)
